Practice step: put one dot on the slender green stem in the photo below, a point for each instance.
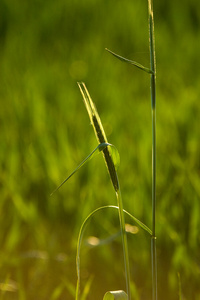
(124, 242)
(154, 268)
(101, 137)
(153, 103)
(153, 173)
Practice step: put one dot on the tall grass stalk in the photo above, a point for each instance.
(101, 137)
(124, 242)
(152, 72)
(111, 165)
(153, 105)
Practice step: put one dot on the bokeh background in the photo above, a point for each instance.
(45, 48)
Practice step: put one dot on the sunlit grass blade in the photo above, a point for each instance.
(115, 155)
(81, 233)
(115, 295)
(142, 225)
(109, 160)
(100, 133)
(98, 149)
(134, 63)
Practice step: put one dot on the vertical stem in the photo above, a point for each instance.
(124, 243)
(154, 268)
(101, 137)
(153, 104)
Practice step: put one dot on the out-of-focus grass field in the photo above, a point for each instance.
(45, 48)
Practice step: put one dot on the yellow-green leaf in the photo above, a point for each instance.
(98, 149)
(115, 295)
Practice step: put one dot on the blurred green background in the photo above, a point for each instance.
(45, 48)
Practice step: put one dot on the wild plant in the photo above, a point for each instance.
(111, 157)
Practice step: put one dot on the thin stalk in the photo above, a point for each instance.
(124, 242)
(101, 137)
(153, 104)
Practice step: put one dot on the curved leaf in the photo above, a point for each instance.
(98, 149)
(115, 155)
(100, 134)
(134, 63)
(115, 295)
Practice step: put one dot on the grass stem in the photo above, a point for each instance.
(101, 137)
(153, 103)
(124, 242)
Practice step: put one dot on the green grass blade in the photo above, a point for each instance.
(142, 225)
(98, 149)
(93, 114)
(134, 63)
(115, 295)
(115, 155)
(109, 160)
(100, 134)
